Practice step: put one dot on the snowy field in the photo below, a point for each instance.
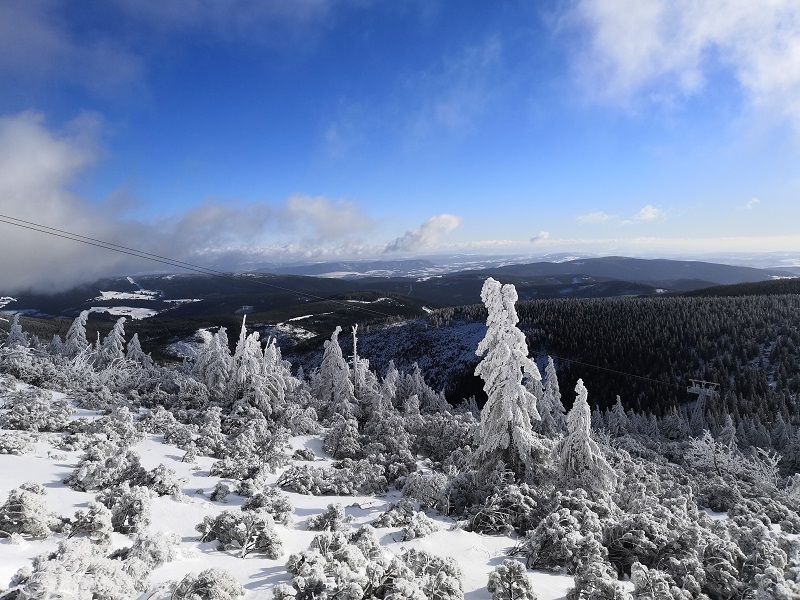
(477, 555)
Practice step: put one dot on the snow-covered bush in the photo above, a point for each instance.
(33, 409)
(255, 448)
(428, 488)
(345, 478)
(211, 584)
(153, 549)
(274, 502)
(104, 465)
(512, 508)
(94, 522)
(25, 513)
(509, 581)
(333, 519)
(652, 584)
(304, 454)
(220, 492)
(397, 515)
(131, 507)
(245, 531)
(15, 443)
(77, 569)
(118, 426)
(421, 525)
(162, 481)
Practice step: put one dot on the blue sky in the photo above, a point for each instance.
(322, 129)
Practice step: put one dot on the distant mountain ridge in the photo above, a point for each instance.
(187, 295)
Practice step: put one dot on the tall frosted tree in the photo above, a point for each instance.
(554, 422)
(580, 462)
(334, 386)
(16, 337)
(76, 341)
(113, 345)
(505, 432)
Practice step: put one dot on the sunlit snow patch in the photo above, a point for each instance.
(139, 295)
(126, 311)
(5, 300)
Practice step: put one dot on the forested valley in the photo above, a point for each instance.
(584, 458)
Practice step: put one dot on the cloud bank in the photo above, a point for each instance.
(669, 48)
(38, 166)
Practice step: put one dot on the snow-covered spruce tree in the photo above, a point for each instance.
(135, 354)
(334, 391)
(76, 341)
(16, 337)
(505, 432)
(113, 345)
(579, 460)
(551, 409)
(617, 423)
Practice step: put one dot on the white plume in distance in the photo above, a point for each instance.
(428, 235)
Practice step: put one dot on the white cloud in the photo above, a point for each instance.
(540, 237)
(649, 213)
(670, 47)
(750, 204)
(38, 165)
(36, 42)
(594, 217)
(428, 235)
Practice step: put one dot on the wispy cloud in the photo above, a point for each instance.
(649, 213)
(427, 236)
(452, 95)
(658, 48)
(750, 204)
(594, 217)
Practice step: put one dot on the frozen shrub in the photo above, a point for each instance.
(513, 508)
(245, 531)
(211, 584)
(364, 539)
(157, 421)
(300, 421)
(652, 584)
(130, 507)
(180, 435)
(427, 488)
(118, 426)
(304, 454)
(104, 465)
(421, 525)
(345, 478)
(35, 410)
(333, 519)
(162, 481)
(438, 578)
(154, 549)
(274, 502)
(558, 540)
(15, 443)
(78, 570)
(94, 523)
(595, 578)
(25, 513)
(509, 581)
(220, 492)
(255, 448)
(397, 515)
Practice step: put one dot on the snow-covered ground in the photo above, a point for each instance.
(6, 300)
(477, 555)
(126, 311)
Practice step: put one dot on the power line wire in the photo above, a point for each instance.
(38, 227)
